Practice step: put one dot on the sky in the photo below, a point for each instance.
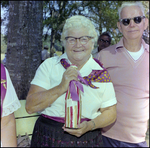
(3, 30)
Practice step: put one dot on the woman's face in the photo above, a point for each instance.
(79, 54)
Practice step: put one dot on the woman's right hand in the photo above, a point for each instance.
(70, 74)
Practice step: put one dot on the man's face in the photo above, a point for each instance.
(103, 42)
(133, 30)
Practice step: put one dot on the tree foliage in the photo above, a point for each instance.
(104, 15)
(55, 13)
(4, 3)
(3, 45)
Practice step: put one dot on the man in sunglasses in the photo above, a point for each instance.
(128, 65)
(104, 41)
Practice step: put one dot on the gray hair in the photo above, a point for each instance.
(128, 4)
(78, 21)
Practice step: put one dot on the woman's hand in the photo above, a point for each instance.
(70, 74)
(37, 96)
(82, 128)
(107, 117)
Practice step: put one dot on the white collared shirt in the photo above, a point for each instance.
(49, 74)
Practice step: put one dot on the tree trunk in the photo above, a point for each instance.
(52, 41)
(24, 43)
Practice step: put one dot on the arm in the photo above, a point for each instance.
(8, 131)
(39, 98)
(107, 117)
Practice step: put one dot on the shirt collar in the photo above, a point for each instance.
(90, 65)
(63, 56)
(120, 45)
(87, 68)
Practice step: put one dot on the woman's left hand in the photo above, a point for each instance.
(82, 128)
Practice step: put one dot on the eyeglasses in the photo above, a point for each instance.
(83, 39)
(137, 20)
(104, 41)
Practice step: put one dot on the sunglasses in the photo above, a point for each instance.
(137, 20)
(104, 41)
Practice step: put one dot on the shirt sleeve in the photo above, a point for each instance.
(108, 97)
(41, 77)
(11, 102)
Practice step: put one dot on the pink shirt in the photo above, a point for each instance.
(131, 83)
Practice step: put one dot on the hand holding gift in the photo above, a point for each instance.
(69, 74)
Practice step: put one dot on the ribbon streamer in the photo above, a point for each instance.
(72, 88)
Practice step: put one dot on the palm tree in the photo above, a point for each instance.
(24, 44)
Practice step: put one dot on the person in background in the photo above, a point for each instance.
(55, 54)
(128, 65)
(9, 104)
(45, 54)
(103, 41)
(50, 84)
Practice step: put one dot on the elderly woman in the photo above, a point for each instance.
(51, 82)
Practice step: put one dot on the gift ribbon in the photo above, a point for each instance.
(72, 88)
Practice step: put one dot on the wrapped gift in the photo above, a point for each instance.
(73, 109)
(73, 103)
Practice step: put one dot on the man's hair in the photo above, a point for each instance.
(128, 4)
(105, 34)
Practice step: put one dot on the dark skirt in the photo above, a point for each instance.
(49, 133)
